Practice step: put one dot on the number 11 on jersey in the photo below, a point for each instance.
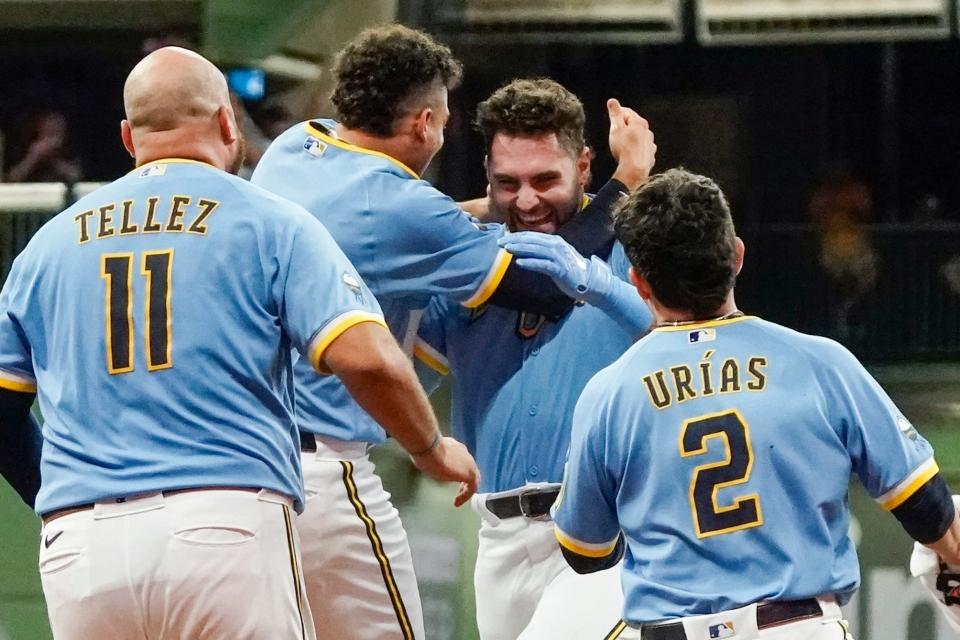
(117, 270)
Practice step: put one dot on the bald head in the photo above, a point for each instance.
(178, 105)
(172, 87)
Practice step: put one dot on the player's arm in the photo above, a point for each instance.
(929, 516)
(20, 443)
(591, 281)
(585, 517)
(380, 377)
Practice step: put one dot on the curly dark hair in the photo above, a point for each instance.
(678, 234)
(381, 70)
(531, 107)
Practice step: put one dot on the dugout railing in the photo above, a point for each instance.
(911, 312)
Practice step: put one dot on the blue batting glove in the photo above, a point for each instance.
(589, 280)
(579, 278)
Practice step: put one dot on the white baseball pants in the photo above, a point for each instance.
(206, 565)
(830, 626)
(356, 558)
(526, 590)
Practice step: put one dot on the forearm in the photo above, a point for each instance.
(948, 547)
(20, 444)
(930, 518)
(624, 305)
(392, 395)
(590, 232)
(378, 375)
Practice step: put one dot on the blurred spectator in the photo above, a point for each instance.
(840, 208)
(45, 154)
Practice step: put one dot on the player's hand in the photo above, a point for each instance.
(579, 278)
(450, 461)
(631, 144)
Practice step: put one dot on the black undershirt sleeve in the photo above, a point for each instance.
(590, 232)
(20, 444)
(928, 513)
(584, 564)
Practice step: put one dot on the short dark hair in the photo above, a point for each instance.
(678, 234)
(382, 69)
(532, 107)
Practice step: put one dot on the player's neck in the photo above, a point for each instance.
(666, 317)
(394, 146)
(161, 145)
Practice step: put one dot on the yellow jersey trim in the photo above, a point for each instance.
(909, 486)
(171, 161)
(312, 130)
(586, 549)
(431, 357)
(705, 324)
(16, 384)
(491, 281)
(333, 330)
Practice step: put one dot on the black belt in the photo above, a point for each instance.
(308, 442)
(531, 504)
(769, 614)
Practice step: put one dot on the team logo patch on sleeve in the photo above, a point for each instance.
(906, 428)
(722, 630)
(314, 146)
(354, 285)
(702, 335)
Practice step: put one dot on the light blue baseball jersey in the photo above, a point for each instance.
(408, 241)
(516, 378)
(724, 451)
(157, 317)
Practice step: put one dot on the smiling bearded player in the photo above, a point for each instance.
(516, 376)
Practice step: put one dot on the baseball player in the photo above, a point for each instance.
(715, 455)
(516, 376)
(156, 317)
(360, 177)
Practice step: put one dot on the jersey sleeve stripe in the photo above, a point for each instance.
(586, 549)
(325, 337)
(13, 382)
(431, 357)
(491, 281)
(909, 485)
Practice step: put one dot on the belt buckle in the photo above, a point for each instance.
(525, 510)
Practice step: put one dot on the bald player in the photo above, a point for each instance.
(156, 318)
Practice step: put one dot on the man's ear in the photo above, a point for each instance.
(421, 123)
(638, 281)
(227, 124)
(583, 166)
(126, 134)
(740, 249)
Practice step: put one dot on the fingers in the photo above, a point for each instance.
(547, 267)
(614, 110)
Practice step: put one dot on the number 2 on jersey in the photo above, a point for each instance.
(117, 270)
(709, 518)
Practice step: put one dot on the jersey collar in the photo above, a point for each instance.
(337, 142)
(704, 324)
(171, 161)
